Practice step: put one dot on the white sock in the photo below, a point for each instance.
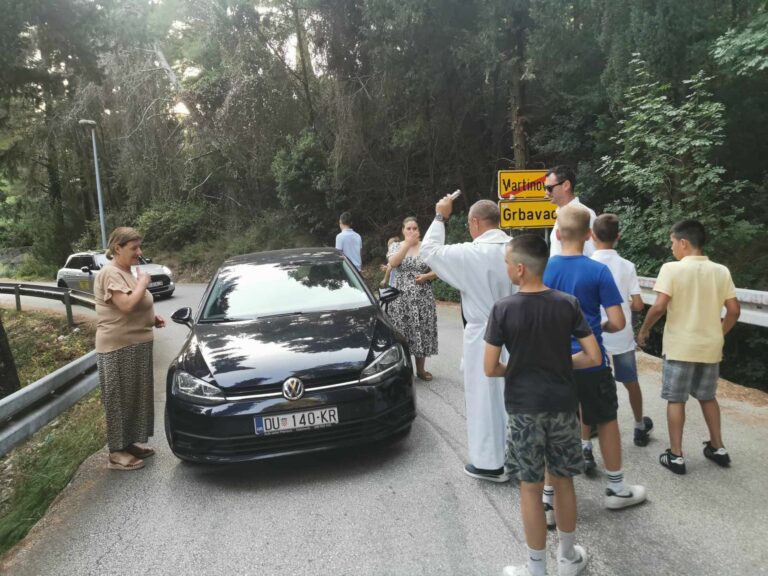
(548, 496)
(640, 425)
(537, 562)
(586, 444)
(567, 550)
(615, 480)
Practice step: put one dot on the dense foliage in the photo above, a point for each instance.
(236, 124)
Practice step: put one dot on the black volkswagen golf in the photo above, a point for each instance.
(289, 353)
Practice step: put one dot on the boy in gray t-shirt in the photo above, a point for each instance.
(536, 325)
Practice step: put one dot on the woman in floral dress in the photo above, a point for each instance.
(414, 313)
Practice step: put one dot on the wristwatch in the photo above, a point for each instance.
(439, 217)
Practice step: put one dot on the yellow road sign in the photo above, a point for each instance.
(521, 184)
(527, 214)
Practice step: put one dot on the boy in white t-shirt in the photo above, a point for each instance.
(621, 345)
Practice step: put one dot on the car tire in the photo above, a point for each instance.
(400, 436)
(62, 284)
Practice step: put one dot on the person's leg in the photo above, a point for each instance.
(675, 424)
(635, 399)
(711, 411)
(532, 511)
(610, 444)
(420, 371)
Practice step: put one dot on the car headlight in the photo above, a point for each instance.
(390, 360)
(167, 272)
(194, 390)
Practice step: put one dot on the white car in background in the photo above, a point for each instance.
(81, 268)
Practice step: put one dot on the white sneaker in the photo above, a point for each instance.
(567, 567)
(516, 571)
(630, 496)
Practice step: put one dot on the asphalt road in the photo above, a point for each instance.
(405, 509)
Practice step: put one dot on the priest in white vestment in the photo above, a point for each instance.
(478, 271)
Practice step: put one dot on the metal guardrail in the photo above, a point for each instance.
(66, 296)
(27, 410)
(754, 304)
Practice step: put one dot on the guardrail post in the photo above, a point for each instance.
(17, 293)
(68, 306)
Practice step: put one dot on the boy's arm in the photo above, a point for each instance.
(654, 314)
(590, 354)
(493, 368)
(616, 320)
(636, 304)
(732, 313)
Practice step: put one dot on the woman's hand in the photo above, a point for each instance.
(428, 277)
(159, 322)
(142, 279)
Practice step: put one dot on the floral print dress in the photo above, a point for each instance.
(414, 313)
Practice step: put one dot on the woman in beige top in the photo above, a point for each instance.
(124, 333)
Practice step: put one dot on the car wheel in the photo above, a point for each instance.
(62, 284)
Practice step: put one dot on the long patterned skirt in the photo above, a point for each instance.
(127, 383)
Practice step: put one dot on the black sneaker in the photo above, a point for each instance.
(673, 462)
(498, 475)
(589, 460)
(642, 437)
(719, 456)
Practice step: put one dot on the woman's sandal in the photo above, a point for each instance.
(133, 464)
(139, 452)
(426, 376)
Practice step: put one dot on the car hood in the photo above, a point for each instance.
(316, 347)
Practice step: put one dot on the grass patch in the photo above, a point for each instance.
(32, 475)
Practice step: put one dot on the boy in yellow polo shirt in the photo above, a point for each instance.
(692, 293)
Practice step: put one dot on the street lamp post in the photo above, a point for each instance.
(92, 125)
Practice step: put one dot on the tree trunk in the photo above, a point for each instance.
(517, 87)
(9, 378)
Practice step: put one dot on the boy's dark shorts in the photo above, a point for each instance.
(550, 438)
(597, 395)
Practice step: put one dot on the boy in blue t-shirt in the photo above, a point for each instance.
(535, 325)
(592, 283)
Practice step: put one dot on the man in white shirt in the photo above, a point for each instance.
(621, 344)
(559, 186)
(478, 271)
(349, 241)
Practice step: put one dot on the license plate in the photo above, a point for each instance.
(83, 284)
(155, 284)
(296, 421)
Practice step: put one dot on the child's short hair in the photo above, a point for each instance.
(346, 218)
(691, 230)
(392, 240)
(530, 250)
(573, 222)
(606, 227)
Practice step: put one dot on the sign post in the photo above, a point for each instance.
(522, 200)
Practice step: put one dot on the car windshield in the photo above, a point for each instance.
(248, 291)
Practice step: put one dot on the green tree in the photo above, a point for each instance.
(665, 171)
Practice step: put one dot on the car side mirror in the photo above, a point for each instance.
(183, 316)
(388, 294)
(148, 260)
(85, 270)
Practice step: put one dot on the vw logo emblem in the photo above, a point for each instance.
(293, 389)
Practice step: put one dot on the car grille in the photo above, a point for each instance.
(309, 384)
(160, 278)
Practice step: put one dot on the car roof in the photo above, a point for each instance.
(292, 255)
(88, 253)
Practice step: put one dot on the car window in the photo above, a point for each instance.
(70, 262)
(247, 291)
(76, 263)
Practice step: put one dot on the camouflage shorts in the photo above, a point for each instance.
(551, 438)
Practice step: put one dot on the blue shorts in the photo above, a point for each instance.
(625, 367)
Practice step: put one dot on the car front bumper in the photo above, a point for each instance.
(226, 432)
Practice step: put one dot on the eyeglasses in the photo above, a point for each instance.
(552, 186)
